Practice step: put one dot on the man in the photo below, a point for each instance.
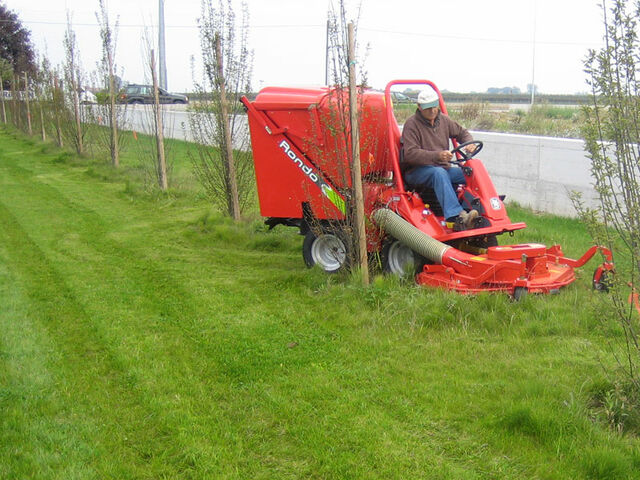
(425, 139)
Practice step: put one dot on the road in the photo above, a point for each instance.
(177, 125)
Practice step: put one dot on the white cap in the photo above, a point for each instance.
(428, 98)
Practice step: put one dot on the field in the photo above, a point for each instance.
(543, 119)
(146, 336)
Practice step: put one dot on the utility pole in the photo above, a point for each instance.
(162, 67)
(533, 62)
(326, 56)
(161, 160)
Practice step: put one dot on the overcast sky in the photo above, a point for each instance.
(462, 45)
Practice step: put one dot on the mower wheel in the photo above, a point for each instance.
(398, 259)
(519, 293)
(604, 283)
(484, 241)
(327, 250)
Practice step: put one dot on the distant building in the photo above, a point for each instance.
(504, 91)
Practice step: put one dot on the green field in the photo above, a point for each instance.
(146, 336)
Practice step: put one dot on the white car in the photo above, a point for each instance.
(87, 97)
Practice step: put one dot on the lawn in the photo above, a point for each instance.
(146, 336)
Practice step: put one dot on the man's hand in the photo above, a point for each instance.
(470, 149)
(444, 157)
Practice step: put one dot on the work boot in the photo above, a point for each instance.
(464, 221)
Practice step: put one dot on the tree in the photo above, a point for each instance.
(612, 136)
(221, 160)
(106, 68)
(154, 155)
(15, 43)
(343, 128)
(72, 76)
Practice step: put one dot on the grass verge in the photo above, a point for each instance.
(145, 336)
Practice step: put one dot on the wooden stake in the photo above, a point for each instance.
(356, 172)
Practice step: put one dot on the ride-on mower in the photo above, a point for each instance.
(304, 178)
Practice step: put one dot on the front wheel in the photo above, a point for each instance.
(326, 249)
(398, 259)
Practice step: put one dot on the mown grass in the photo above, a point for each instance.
(145, 336)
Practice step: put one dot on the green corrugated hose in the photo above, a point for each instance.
(413, 238)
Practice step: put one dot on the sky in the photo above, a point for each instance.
(461, 45)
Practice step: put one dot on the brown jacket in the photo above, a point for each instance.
(422, 142)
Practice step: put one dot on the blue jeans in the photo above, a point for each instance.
(441, 181)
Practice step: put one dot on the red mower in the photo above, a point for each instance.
(304, 177)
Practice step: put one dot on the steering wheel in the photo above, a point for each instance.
(463, 153)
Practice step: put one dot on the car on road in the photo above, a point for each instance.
(133, 94)
(86, 97)
(400, 98)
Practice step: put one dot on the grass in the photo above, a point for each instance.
(145, 336)
(543, 119)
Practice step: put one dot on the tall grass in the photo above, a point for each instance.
(543, 119)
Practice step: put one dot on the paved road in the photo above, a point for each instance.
(176, 120)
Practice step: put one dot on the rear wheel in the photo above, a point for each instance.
(326, 249)
(398, 259)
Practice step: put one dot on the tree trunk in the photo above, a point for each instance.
(26, 103)
(356, 172)
(17, 108)
(115, 151)
(76, 111)
(56, 109)
(4, 108)
(233, 201)
(43, 132)
(162, 163)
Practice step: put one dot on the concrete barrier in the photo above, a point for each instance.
(537, 172)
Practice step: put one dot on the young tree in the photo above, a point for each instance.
(612, 136)
(72, 76)
(4, 109)
(58, 109)
(27, 105)
(16, 103)
(154, 154)
(44, 95)
(224, 172)
(340, 125)
(107, 69)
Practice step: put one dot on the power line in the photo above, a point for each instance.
(480, 39)
(374, 30)
(134, 25)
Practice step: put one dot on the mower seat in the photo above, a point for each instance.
(428, 196)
